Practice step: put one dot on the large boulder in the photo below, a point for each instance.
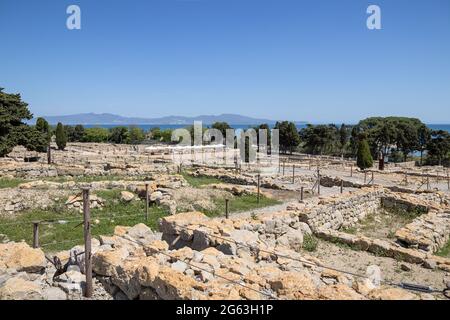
(22, 257)
(168, 225)
(20, 289)
(126, 196)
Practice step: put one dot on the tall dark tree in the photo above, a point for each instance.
(289, 138)
(424, 138)
(343, 137)
(13, 131)
(364, 158)
(439, 146)
(78, 133)
(61, 136)
(118, 134)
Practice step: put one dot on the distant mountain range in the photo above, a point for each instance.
(112, 119)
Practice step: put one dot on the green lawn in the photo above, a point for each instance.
(200, 181)
(10, 182)
(61, 236)
(240, 204)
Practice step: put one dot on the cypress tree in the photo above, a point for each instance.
(61, 136)
(364, 157)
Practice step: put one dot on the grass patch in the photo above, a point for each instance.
(200, 181)
(10, 182)
(240, 204)
(310, 243)
(444, 251)
(66, 234)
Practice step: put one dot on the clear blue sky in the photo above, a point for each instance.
(300, 60)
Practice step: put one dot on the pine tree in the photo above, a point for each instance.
(61, 136)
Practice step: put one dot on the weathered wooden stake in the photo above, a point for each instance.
(428, 182)
(318, 181)
(49, 154)
(373, 179)
(284, 165)
(36, 234)
(226, 208)
(87, 242)
(342, 186)
(301, 193)
(448, 180)
(259, 183)
(146, 201)
(351, 170)
(293, 173)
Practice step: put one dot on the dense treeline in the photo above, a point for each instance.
(396, 138)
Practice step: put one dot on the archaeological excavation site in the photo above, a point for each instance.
(105, 221)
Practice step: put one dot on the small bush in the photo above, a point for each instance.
(310, 243)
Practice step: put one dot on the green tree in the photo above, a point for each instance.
(438, 147)
(61, 136)
(13, 131)
(222, 127)
(343, 137)
(364, 157)
(320, 139)
(118, 135)
(78, 133)
(136, 135)
(288, 136)
(97, 135)
(424, 138)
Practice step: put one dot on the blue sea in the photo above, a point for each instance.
(146, 127)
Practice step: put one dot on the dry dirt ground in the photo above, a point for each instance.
(342, 257)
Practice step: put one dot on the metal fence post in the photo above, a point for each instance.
(35, 234)
(87, 242)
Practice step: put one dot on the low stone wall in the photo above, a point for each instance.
(344, 210)
(428, 232)
(386, 249)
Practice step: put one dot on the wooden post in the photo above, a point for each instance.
(35, 234)
(309, 165)
(351, 170)
(318, 181)
(448, 180)
(373, 179)
(406, 178)
(146, 201)
(301, 193)
(365, 176)
(342, 186)
(284, 165)
(293, 173)
(49, 154)
(226, 208)
(259, 183)
(428, 182)
(87, 242)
